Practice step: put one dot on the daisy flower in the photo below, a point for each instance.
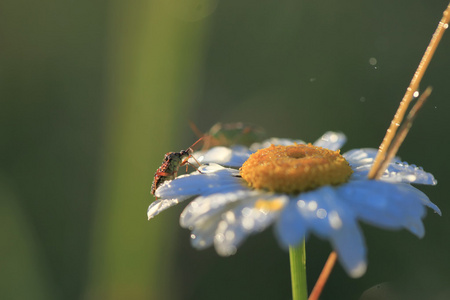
(299, 188)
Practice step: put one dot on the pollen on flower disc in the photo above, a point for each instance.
(295, 168)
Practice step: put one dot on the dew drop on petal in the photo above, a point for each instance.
(229, 235)
(335, 220)
(411, 177)
(230, 250)
(246, 211)
(248, 224)
(230, 217)
(312, 205)
(333, 138)
(219, 237)
(359, 270)
(321, 213)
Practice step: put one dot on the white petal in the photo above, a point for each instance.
(203, 222)
(350, 247)
(227, 239)
(207, 182)
(385, 204)
(232, 157)
(362, 160)
(159, 205)
(207, 206)
(202, 236)
(274, 141)
(425, 200)
(363, 156)
(290, 228)
(409, 173)
(256, 217)
(331, 140)
(237, 224)
(205, 214)
(417, 228)
(399, 172)
(212, 168)
(330, 218)
(323, 211)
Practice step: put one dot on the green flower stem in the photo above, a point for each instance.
(298, 271)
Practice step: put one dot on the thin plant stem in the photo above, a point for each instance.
(402, 132)
(297, 258)
(326, 271)
(413, 87)
(385, 151)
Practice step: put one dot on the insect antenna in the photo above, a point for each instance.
(195, 129)
(190, 150)
(196, 142)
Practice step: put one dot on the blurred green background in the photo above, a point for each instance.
(93, 93)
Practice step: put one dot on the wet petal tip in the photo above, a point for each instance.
(359, 270)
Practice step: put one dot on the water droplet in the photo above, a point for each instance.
(229, 235)
(359, 270)
(321, 213)
(246, 211)
(312, 205)
(335, 220)
(219, 237)
(248, 224)
(334, 138)
(411, 178)
(372, 61)
(416, 94)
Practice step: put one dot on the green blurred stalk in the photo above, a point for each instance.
(153, 62)
(23, 275)
(297, 258)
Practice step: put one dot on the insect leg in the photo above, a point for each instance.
(165, 173)
(186, 162)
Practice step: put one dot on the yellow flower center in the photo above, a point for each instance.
(294, 169)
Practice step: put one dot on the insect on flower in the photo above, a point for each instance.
(171, 163)
(228, 134)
